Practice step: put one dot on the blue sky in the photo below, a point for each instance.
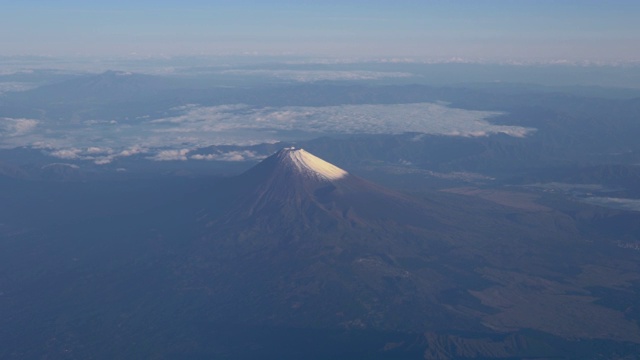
(490, 29)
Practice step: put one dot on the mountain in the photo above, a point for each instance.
(108, 95)
(100, 88)
(320, 245)
(297, 190)
(303, 243)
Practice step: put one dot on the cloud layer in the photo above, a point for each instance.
(426, 118)
(172, 138)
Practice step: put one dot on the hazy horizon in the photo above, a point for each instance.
(492, 31)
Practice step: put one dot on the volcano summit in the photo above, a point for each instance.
(307, 164)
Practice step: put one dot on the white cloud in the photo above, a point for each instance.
(72, 153)
(99, 156)
(17, 127)
(228, 156)
(426, 118)
(23, 126)
(72, 166)
(193, 113)
(103, 160)
(134, 150)
(171, 155)
(98, 150)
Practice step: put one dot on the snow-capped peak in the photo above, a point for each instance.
(309, 164)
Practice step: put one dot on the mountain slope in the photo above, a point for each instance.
(304, 243)
(294, 194)
(318, 245)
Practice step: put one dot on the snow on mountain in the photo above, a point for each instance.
(309, 164)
